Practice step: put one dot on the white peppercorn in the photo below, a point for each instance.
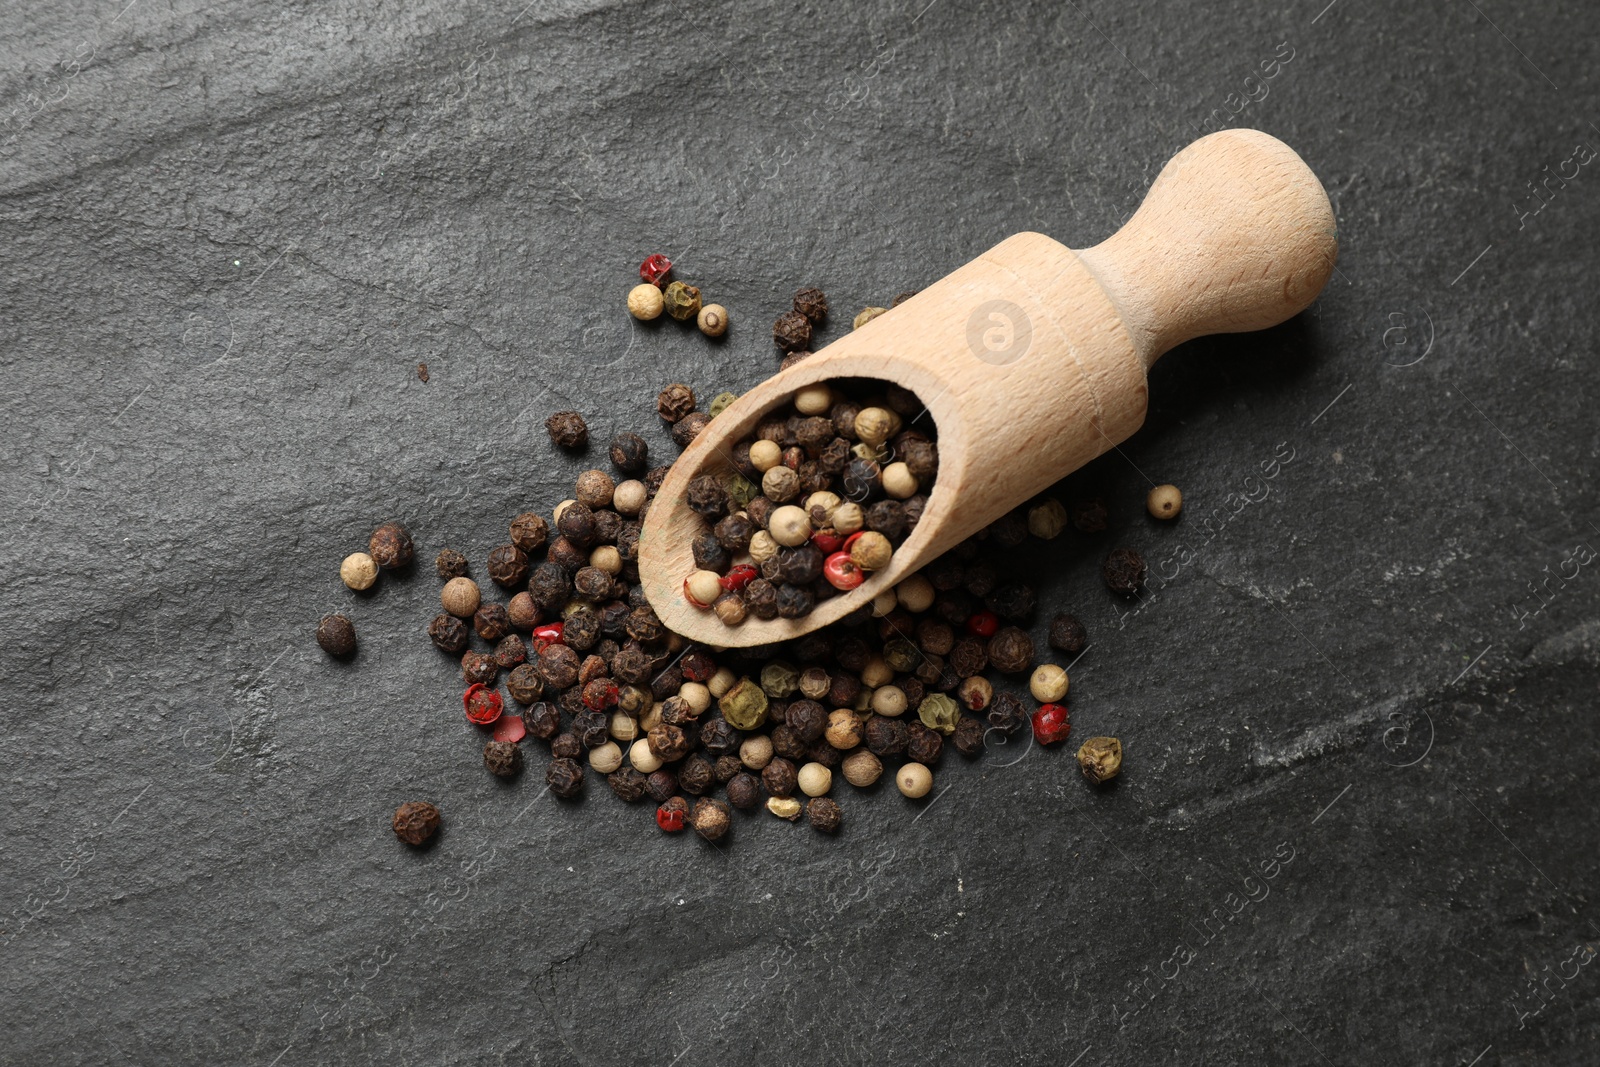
(861, 768)
(460, 597)
(712, 320)
(780, 484)
(789, 525)
(358, 571)
(848, 518)
(1048, 684)
(645, 302)
(763, 546)
(764, 455)
(629, 497)
(889, 700)
(814, 779)
(915, 593)
(874, 426)
(1046, 520)
(756, 752)
(898, 481)
(1164, 502)
(702, 588)
(606, 758)
(697, 696)
(814, 399)
(623, 727)
(914, 780)
(644, 760)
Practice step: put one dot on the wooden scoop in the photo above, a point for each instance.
(1031, 359)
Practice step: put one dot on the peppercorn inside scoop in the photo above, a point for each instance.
(814, 501)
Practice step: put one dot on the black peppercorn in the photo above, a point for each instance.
(884, 737)
(1067, 634)
(390, 547)
(1011, 650)
(969, 656)
(823, 814)
(792, 332)
(744, 791)
(888, 517)
(862, 480)
(981, 579)
(1123, 571)
(576, 524)
(760, 510)
(491, 621)
(913, 689)
(794, 602)
(661, 785)
(627, 783)
(696, 775)
(567, 429)
(448, 633)
(709, 555)
(592, 584)
(728, 767)
(550, 587)
(337, 636)
(733, 533)
(478, 668)
(529, 531)
(843, 689)
(922, 459)
(822, 752)
(667, 681)
(644, 625)
(922, 744)
(934, 637)
(707, 497)
(1013, 600)
(525, 685)
(954, 607)
(566, 555)
(844, 415)
(801, 565)
(812, 304)
(582, 629)
(415, 822)
(543, 720)
(558, 666)
(834, 456)
(566, 746)
(607, 527)
(853, 653)
(629, 453)
(807, 719)
(565, 777)
(779, 777)
(510, 652)
(1011, 529)
(711, 818)
(1008, 713)
(593, 666)
(719, 737)
(669, 743)
(589, 727)
(450, 564)
(508, 565)
(674, 402)
(686, 429)
(968, 736)
(630, 666)
(503, 759)
(1089, 515)
(571, 702)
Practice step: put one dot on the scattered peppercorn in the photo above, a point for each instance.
(1068, 634)
(415, 822)
(711, 818)
(712, 320)
(1051, 724)
(792, 332)
(565, 777)
(813, 304)
(645, 302)
(359, 571)
(1089, 515)
(450, 564)
(682, 301)
(865, 316)
(1123, 571)
(567, 430)
(1164, 502)
(391, 547)
(1100, 759)
(824, 815)
(337, 636)
(504, 760)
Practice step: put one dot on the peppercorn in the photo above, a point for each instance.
(510, 652)
(565, 777)
(1100, 759)
(1123, 571)
(1048, 683)
(524, 684)
(865, 316)
(1051, 724)
(582, 629)
(938, 712)
(576, 524)
(682, 301)
(558, 666)
(672, 814)
(914, 780)
(542, 719)
(529, 531)
(1007, 714)
(884, 737)
(566, 746)
(1046, 520)
(711, 818)
(968, 736)
(719, 737)
(502, 758)
(707, 498)
(686, 429)
(627, 783)
(712, 320)
(813, 304)
(1009, 530)
(415, 822)
(923, 745)
(792, 332)
(824, 815)
(744, 790)
(337, 636)
(779, 777)
(785, 808)
(449, 634)
(358, 571)
(661, 784)
(697, 775)
(1089, 515)
(675, 401)
(491, 622)
(390, 547)
(645, 302)
(478, 668)
(450, 564)
(654, 269)
(567, 430)
(668, 742)
(1011, 650)
(460, 597)
(1067, 634)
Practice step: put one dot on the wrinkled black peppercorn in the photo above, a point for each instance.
(529, 531)
(885, 737)
(565, 777)
(1013, 600)
(686, 429)
(696, 775)
(390, 547)
(823, 814)
(709, 555)
(629, 453)
(550, 587)
(1089, 515)
(922, 744)
(744, 791)
(794, 602)
(567, 429)
(1008, 713)
(558, 666)
(1011, 650)
(477, 667)
(450, 564)
(1068, 634)
(448, 633)
(589, 726)
(733, 533)
(792, 332)
(543, 720)
(337, 636)
(779, 777)
(674, 402)
(508, 565)
(576, 524)
(415, 822)
(661, 785)
(503, 759)
(1123, 571)
(524, 684)
(627, 783)
(711, 818)
(811, 303)
(491, 621)
(719, 737)
(968, 736)
(510, 652)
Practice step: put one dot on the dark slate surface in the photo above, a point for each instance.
(231, 232)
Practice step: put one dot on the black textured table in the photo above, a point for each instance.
(1356, 822)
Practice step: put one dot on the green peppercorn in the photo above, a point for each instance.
(1100, 759)
(720, 402)
(683, 301)
(938, 712)
(745, 705)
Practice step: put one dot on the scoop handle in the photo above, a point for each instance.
(1235, 234)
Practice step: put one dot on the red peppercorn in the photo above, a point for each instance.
(983, 624)
(670, 818)
(827, 540)
(483, 705)
(739, 577)
(654, 268)
(549, 633)
(1050, 724)
(600, 694)
(842, 572)
(510, 728)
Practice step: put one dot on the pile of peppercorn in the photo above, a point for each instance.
(819, 497)
(593, 673)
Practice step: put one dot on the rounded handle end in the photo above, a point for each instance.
(1235, 234)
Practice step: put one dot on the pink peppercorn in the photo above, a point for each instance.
(654, 269)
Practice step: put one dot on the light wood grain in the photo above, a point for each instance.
(1031, 358)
